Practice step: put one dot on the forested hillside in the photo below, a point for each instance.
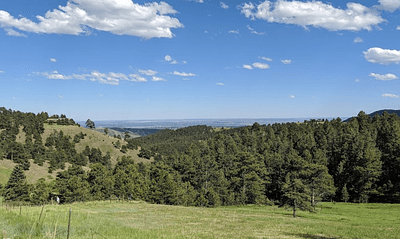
(295, 164)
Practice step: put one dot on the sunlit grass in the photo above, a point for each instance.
(143, 220)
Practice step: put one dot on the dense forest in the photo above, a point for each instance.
(293, 164)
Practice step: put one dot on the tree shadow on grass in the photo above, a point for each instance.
(309, 236)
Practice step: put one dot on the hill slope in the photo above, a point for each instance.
(379, 112)
(93, 139)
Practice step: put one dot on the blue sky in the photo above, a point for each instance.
(118, 59)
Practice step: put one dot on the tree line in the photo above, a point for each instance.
(295, 164)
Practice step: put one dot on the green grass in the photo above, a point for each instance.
(5, 172)
(142, 220)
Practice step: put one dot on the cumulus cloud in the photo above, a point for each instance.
(292, 96)
(357, 80)
(382, 56)
(386, 77)
(220, 83)
(234, 31)
(184, 74)
(12, 32)
(314, 13)
(265, 58)
(148, 72)
(286, 62)
(122, 17)
(223, 5)
(398, 28)
(155, 78)
(249, 67)
(389, 5)
(53, 59)
(169, 59)
(358, 40)
(110, 78)
(260, 65)
(386, 95)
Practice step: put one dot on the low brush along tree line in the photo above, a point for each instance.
(292, 164)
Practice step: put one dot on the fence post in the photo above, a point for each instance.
(69, 222)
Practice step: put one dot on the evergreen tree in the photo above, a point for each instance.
(127, 179)
(101, 182)
(72, 185)
(90, 124)
(345, 194)
(41, 192)
(295, 189)
(17, 188)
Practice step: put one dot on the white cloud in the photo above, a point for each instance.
(53, 59)
(148, 72)
(224, 6)
(183, 74)
(389, 5)
(286, 62)
(12, 32)
(292, 96)
(137, 78)
(386, 77)
(249, 67)
(314, 13)
(398, 28)
(60, 96)
(358, 40)
(2, 71)
(110, 78)
(254, 31)
(357, 80)
(220, 83)
(386, 95)
(234, 31)
(382, 56)
(265, 58)
(198, 1)
(170, 60)
(155, 78)
(260, 65)
(122, 17)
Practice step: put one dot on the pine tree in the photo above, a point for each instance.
(345, 194)
(72, 185)
(41, 192)
(296, 192)
(101, 182)
(17, 188)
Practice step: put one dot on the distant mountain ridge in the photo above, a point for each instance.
(380, 112)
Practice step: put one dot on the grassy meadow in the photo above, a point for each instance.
(143, 220)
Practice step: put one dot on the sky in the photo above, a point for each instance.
(193, 59)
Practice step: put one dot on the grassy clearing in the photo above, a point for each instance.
(142, 220)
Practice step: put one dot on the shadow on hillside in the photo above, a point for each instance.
(308, 236)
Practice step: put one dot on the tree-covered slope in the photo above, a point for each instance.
(45, 145)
